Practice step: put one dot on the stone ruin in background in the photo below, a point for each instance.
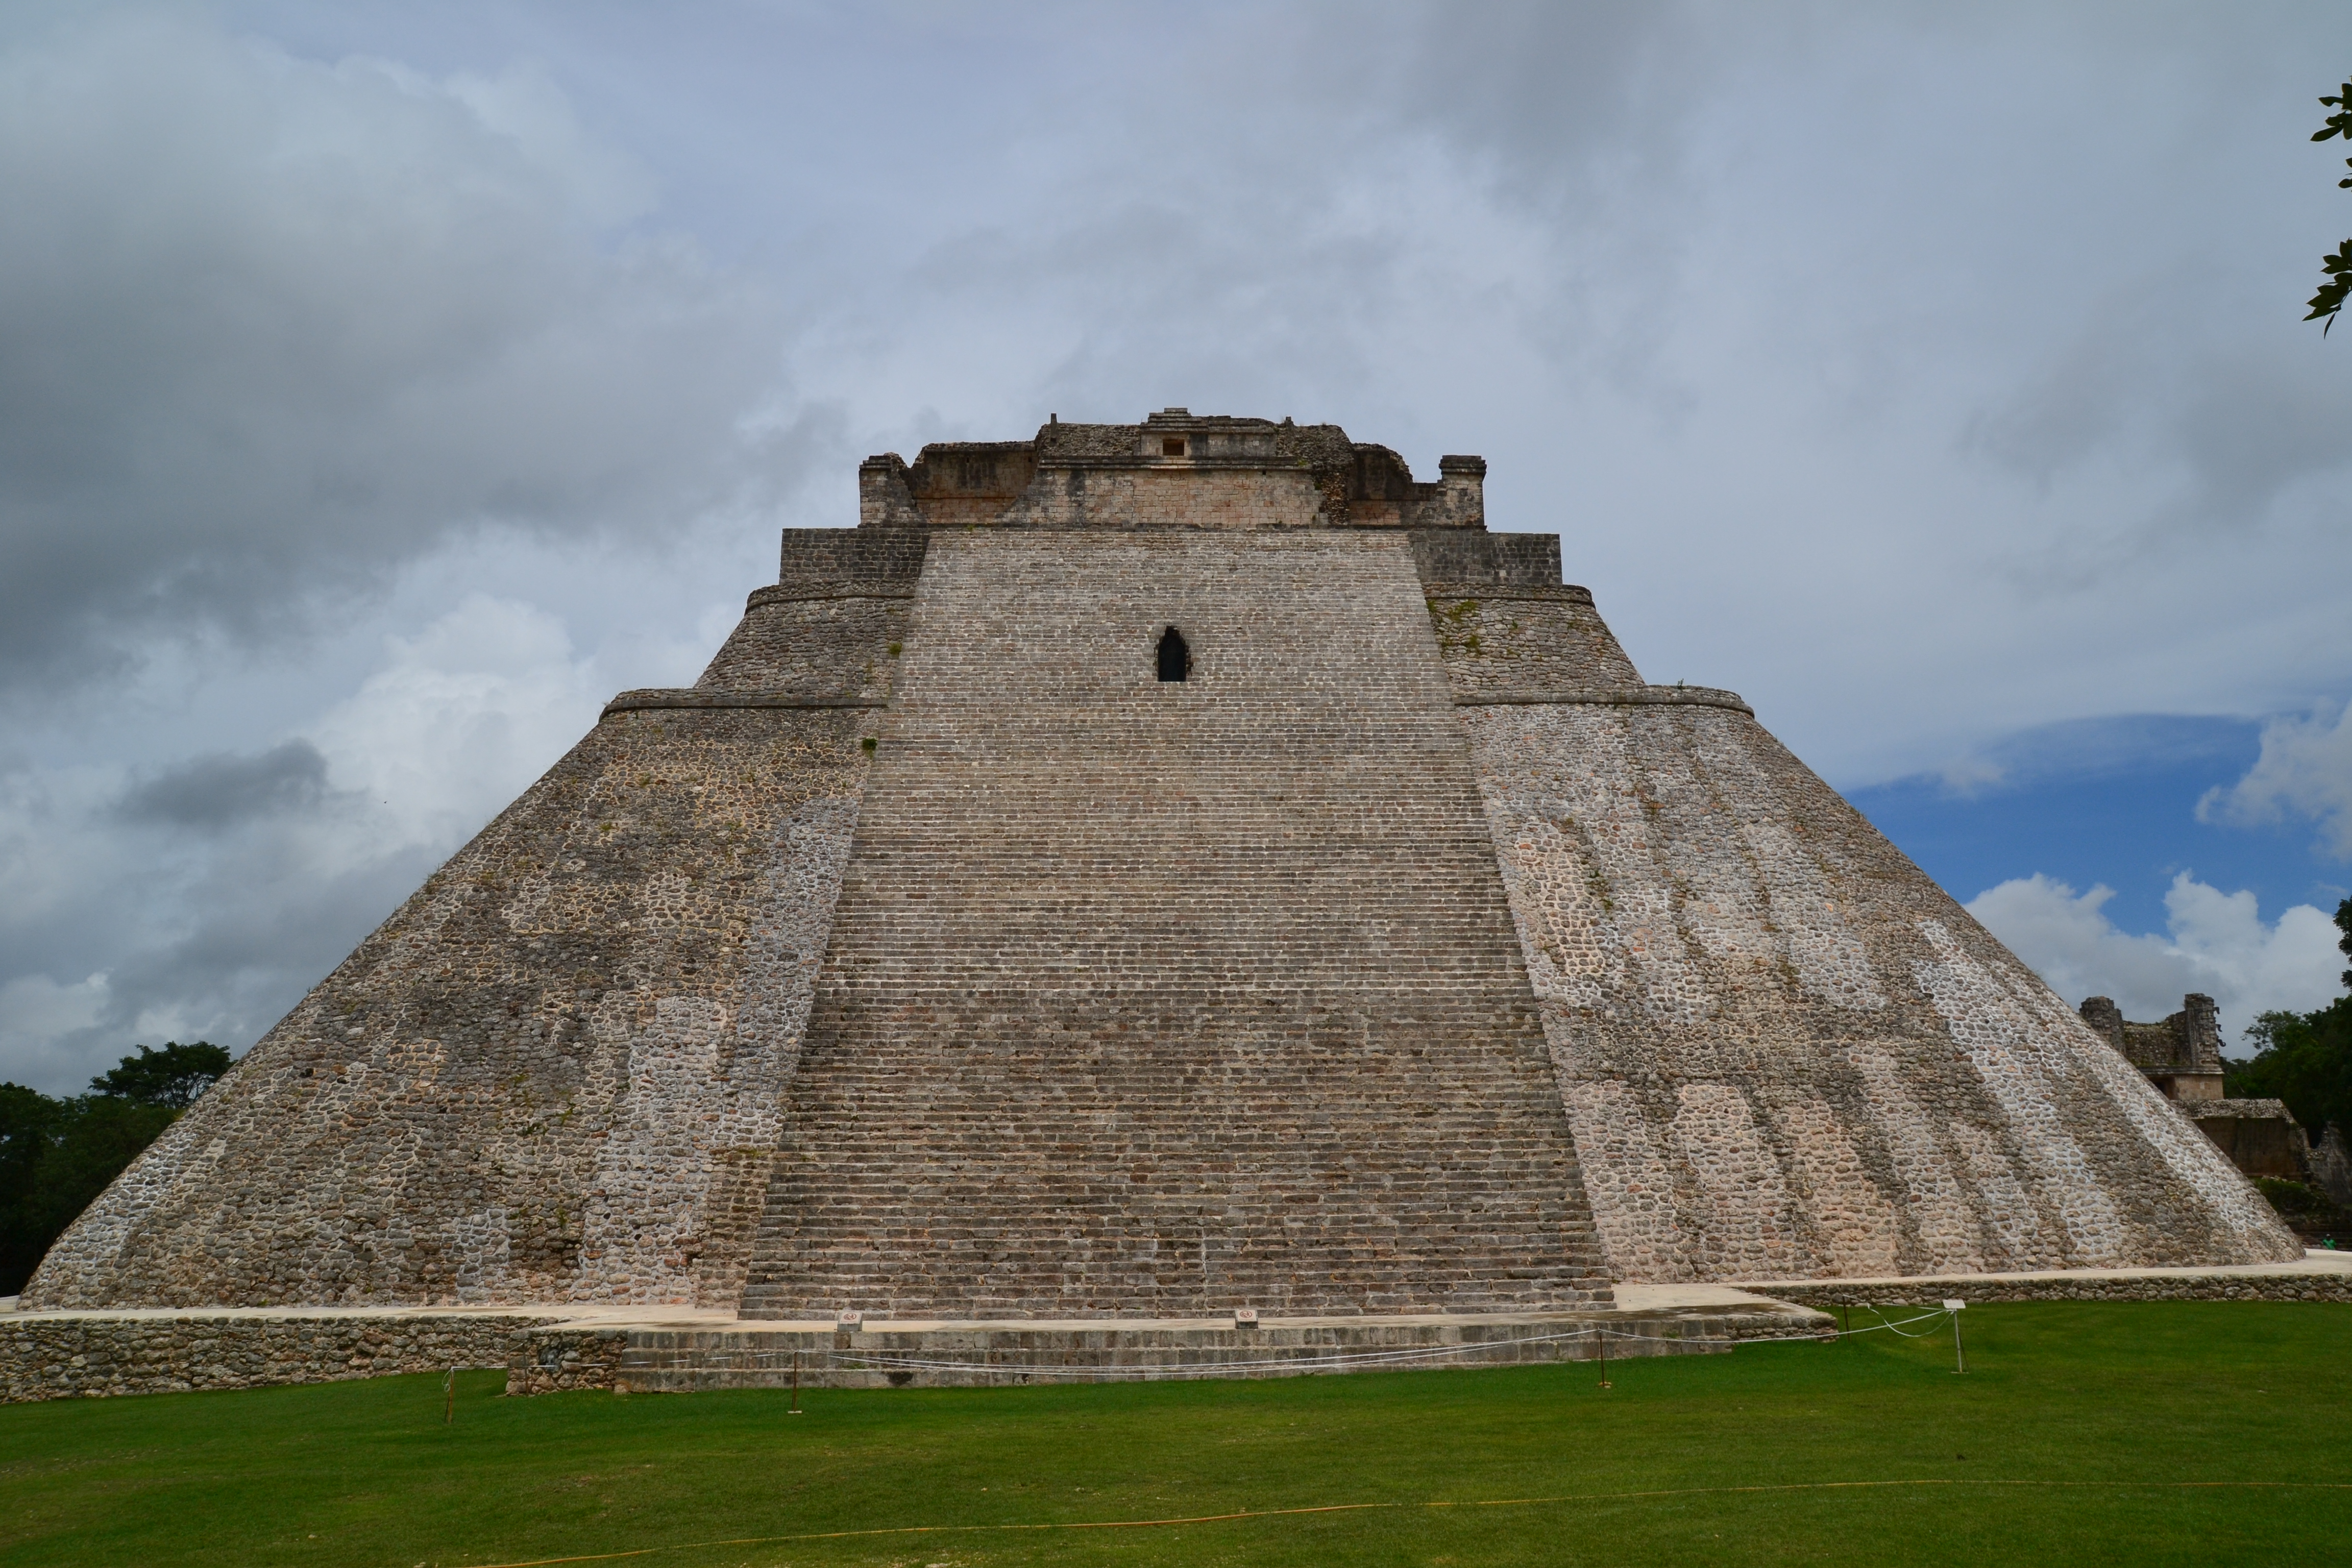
(2182, 1057)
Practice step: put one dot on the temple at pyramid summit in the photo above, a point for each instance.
(1157, 870)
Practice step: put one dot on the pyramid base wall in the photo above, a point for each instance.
(49, 1356)
(551, 1349)
(97, 1355)
(2320, 1276)
(1011, 1354)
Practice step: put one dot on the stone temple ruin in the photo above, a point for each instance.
(1158, 869)
(2182, 1057)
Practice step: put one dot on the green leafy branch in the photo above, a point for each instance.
(2338, 266)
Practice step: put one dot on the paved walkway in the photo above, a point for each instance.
(1630, 1297)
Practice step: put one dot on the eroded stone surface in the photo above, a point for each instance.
(558, 1073)
(1779, 1040)
(98, 1357)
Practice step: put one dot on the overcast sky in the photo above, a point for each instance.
(382, 387)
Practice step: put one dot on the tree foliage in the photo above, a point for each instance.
(56, 1155)
(2306, 1059)
(174, 1076)
(2337, 267)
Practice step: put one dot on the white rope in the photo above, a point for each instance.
(1922, 1334)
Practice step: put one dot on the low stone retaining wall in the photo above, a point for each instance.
(1010, 1354)
(72, 1357)
(1826, 1293)
(87, 1355)
(551, 1360)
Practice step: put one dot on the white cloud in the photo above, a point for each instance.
(2305, 770)
(2216, 942)
(459, 722)
(522, 104)
(293, 297)
(215, 892)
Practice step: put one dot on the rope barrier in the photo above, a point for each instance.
(1922, 1334)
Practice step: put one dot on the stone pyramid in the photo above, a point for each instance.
(1151, 869)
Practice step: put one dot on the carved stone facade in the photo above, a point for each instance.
(2262, 1137)
(2182, 1057)
(933, 955)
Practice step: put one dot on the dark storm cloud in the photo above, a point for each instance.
(2239, 422)
(269, 326)
(1927, 373)
(271, 926)
(220, 791)
(241, 937)
(1560, 95)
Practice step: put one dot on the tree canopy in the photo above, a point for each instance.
(2306, 1059)
(56, 1155)
(174, 1076)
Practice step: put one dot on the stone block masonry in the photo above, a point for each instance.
(1786, 1052)
(932, 955)
(97, 1355)
(1518, 642)
(1165, 997)
(556, 1073)
(2315, 1276)
(551, 1349)
(1011, 1354)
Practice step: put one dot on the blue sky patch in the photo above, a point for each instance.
(2104, 801)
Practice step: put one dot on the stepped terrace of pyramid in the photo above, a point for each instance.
(1151, 870)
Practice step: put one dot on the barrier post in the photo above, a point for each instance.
(1959, 1356)
(1604, 1355)
(449, 1397)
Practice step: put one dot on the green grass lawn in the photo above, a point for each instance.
(2082, 1433)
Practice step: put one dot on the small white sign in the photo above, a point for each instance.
(1246, 1317)
(1951, 1306)
(850, 1322)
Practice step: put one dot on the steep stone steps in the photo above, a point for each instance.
(1172, 996)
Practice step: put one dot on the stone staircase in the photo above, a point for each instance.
(1172, 997)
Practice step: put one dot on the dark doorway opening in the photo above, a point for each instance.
(1175, 659)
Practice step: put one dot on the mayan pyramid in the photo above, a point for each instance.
(1151, 869)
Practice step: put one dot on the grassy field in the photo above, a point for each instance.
(2192, 1433)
